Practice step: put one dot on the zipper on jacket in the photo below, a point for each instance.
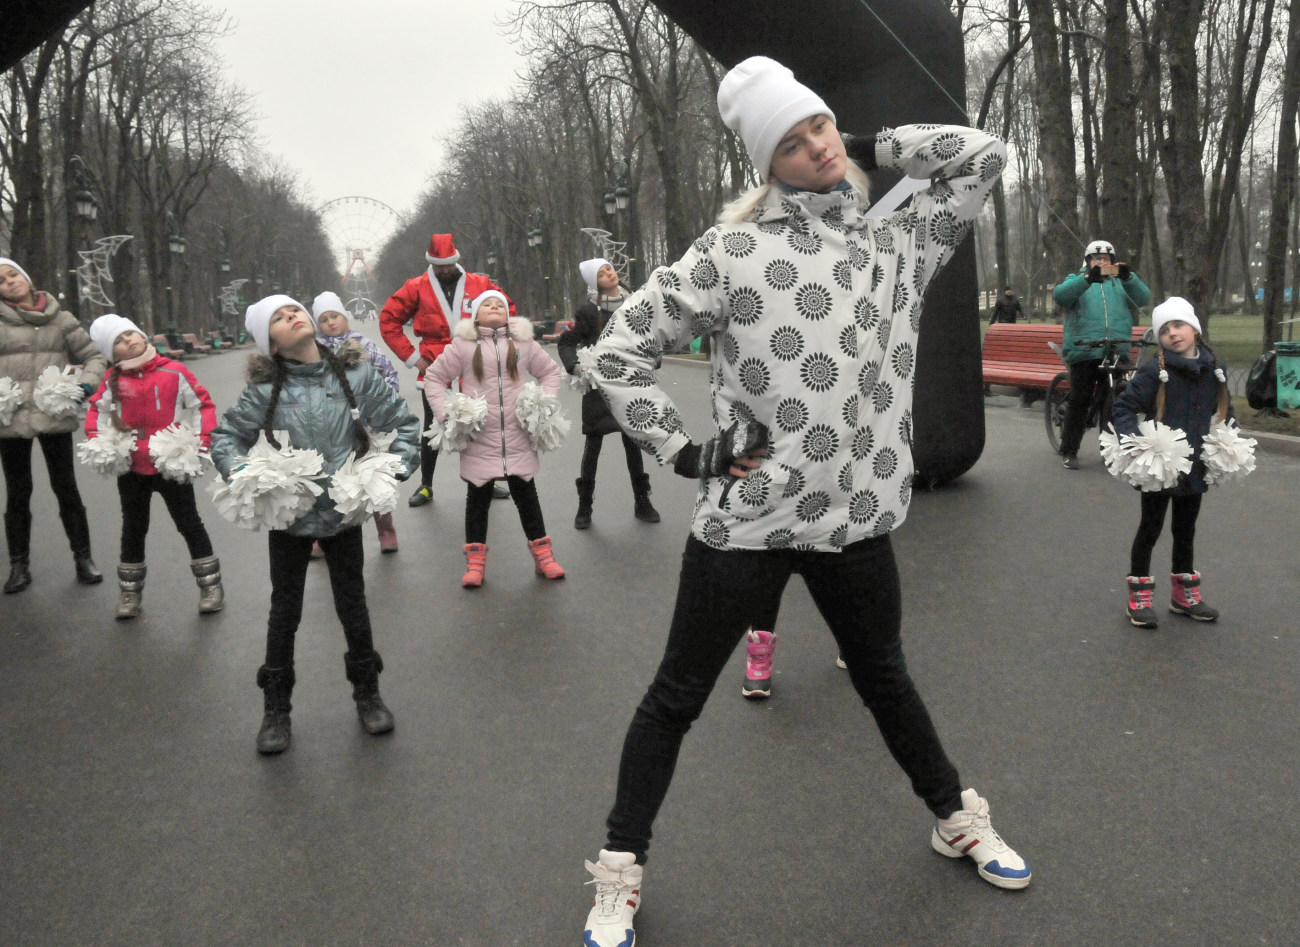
(501, 396)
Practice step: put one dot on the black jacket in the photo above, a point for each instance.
(588, 323)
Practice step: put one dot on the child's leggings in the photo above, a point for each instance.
(290, 557)
(136, 491)
(591, 456)
(1154, 505)
(478, 500)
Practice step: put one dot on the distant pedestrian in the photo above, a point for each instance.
(492, 354)
(146, 392)
(432, 303)
(333, 330)
(36, 333)
(1006, 308)
(1185, 388)
(328, 403)
(605, 294)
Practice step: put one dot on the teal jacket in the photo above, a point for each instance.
(314, 410)
(1105, 310)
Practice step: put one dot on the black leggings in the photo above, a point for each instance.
(16, 458)
(1154, 505)
(344, 557)
(1084, 377)
(857, 592)
(428, 456)
(591, 456)
(136, 491)
(478, 500)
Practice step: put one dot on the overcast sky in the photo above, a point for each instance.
(355, 96)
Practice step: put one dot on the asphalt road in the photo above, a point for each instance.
(1149, 777)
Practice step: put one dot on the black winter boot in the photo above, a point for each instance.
(643, 510)
(78, 532)
(277, 686)
(586, 490)
(364, 675)
(18, 534)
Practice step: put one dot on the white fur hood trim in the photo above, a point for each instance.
(521, 330)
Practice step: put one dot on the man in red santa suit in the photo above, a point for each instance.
(430, 302)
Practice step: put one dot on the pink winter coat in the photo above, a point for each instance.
(502, 448)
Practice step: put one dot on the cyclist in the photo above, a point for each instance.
(1100, 302)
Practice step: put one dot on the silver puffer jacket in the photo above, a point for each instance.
(314, 410)
(30, 342)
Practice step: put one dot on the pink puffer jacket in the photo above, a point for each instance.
(502, 448)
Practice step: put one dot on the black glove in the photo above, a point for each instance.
(1124, 271)
(715, 456)
(1094, 274)
(862, 149)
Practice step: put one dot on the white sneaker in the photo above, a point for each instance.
(969, 832)
(617, 878)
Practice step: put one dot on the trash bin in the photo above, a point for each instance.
(1288, 374)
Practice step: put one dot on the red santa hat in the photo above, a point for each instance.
(442, 252)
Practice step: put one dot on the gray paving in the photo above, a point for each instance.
(1148, 776)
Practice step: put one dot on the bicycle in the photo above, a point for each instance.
(1116, 368)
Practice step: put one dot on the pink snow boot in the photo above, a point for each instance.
(543, 559)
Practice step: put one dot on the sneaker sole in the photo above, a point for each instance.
(1141, 624)
(1193, 617)
(947, 851)
(757, 693)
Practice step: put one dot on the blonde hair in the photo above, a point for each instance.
(739, 210)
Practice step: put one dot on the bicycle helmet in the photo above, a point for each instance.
(1099, 246)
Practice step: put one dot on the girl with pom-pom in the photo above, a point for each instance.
(1186, 388)
(490, 354)
(37, 335)
(146, 393)
(333, 328)
(330, 403)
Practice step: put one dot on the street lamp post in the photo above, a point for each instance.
(175, 251)
(618, 205)
(537, 238)
(86, 210)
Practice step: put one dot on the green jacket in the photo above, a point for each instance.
(1105, 310)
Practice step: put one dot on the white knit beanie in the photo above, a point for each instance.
(105, 330)
(326, 302)
(5, 261)
(489, 294)
(257, 319)
(760, 100)
(589, 269)
(1174, 308)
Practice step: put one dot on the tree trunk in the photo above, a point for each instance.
(1285, 180)
(1118, 210)
(1055, 140)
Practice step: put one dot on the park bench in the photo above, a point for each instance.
(164, 347)
(192, 341)
(1021, 356)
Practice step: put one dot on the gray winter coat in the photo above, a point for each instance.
(314, 410)
(32, 341)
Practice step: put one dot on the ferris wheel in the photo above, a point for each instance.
(357, 229)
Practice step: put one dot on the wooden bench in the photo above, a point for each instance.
(195, 345)
(1020, 356)
(164, 347)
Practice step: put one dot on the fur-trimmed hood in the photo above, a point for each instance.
(261, 368)
(521, 330)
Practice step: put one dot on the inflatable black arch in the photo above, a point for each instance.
(871, 80)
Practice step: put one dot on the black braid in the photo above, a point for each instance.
(362, 443)
(277, 381)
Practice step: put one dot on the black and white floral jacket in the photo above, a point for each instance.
(813, 311)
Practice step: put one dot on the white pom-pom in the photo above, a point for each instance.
(176, 452)
(269, 487)
(57, 392)
(1160, 454)
(365, 486)
(1116, 452)
(540, 416)
(1164, 377)
(11, 396)
(1227, 455)
(109, 452)
(1218, 373)
(466, 416)
(584, 373)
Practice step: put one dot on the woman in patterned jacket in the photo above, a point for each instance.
(813, 312)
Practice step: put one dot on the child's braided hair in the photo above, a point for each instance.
(115, 414)
(512, 358)
(362, 437)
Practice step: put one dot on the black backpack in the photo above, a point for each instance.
(1261, 384)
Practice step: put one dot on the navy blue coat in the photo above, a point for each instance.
(1191, 406)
